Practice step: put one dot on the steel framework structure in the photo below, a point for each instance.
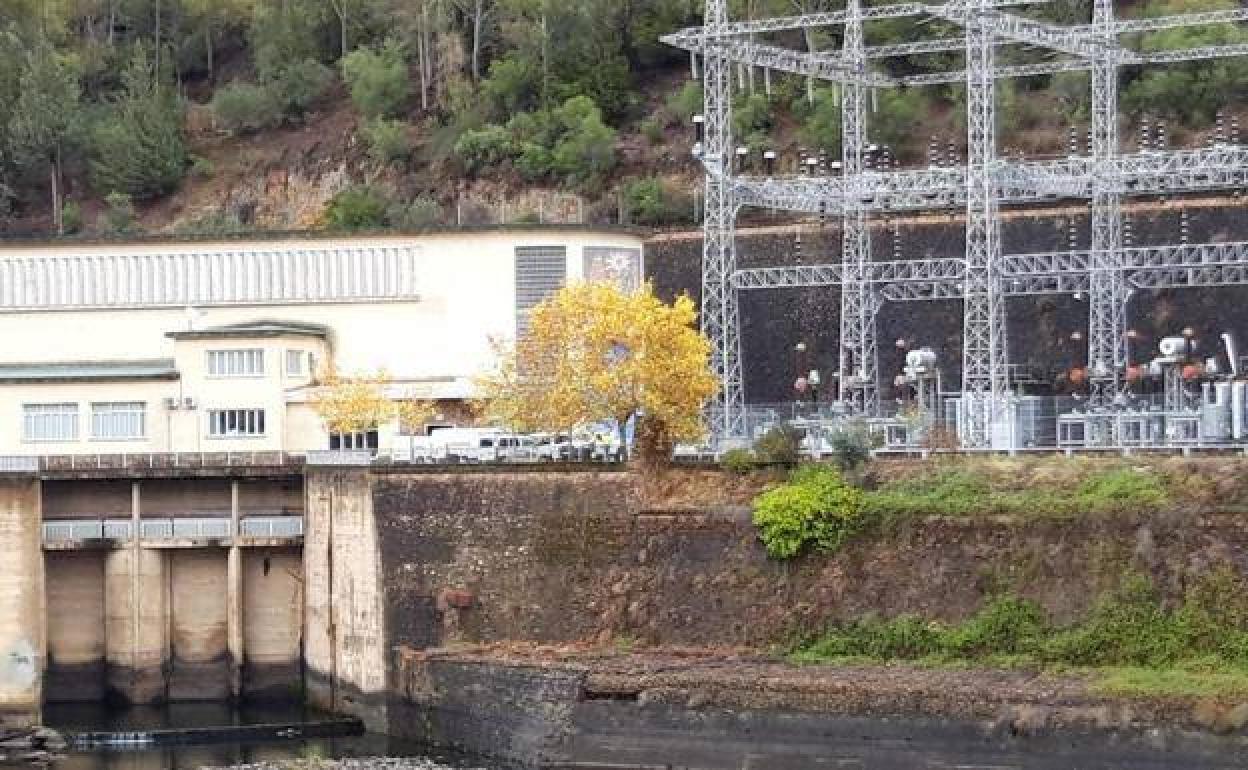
(983, 277)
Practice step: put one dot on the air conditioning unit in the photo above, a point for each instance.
(188, 403)
(172, 403)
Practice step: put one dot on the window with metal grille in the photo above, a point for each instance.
(49, 422)
(540, 272)
(119, 420)
(230, 423)
(236, 363)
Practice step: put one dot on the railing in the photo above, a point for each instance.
(147, 461)
(271, 526)
(344, 457)
(16, 464)
(172, 529)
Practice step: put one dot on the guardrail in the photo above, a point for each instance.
(69, 530)
(341, 457)
(271, 526)
(147, 461)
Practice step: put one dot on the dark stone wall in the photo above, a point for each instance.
(773, 321)
(568, 557)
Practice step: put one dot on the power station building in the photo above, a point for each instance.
(217, 346)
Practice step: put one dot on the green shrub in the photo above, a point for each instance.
(213, 223)
(118, 217)
(298, 86)
(585, 152)
(511, 87)
(814, 509)
(851, 447)
(71, 217)
(781, 445)
(418, 214)
(534, 161)
(201, 167)
(686, 102)
(821, 126)
(135, 143)
(484, 148)
(242, 108)
(357, 208)
(652, 129)
(650, 202)
(906, 637)
(739, 461)
(386, 140)
(1128, 627)
(378, 79)
(1007, 625)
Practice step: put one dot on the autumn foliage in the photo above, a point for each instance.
(354, 404)
(593, 352)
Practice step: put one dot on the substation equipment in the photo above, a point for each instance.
(990, 410)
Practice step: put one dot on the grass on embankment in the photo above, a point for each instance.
(1131, 643)
(971, 490)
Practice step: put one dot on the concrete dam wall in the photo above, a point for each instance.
(146, 590)
(1041, 328)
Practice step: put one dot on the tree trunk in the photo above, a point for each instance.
(342, 20)
(58, 216)
(158, 31)
(208, 50)
(422, 54)
(478, 19)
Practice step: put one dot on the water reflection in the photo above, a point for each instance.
(97, 717)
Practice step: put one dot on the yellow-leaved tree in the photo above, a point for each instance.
(593, 352)
(360, 403)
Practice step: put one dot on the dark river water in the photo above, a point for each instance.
(895, 748)
(71, 718)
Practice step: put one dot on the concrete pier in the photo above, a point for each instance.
(345, 649)
(76, 668)
(137, 624)
(22, 601)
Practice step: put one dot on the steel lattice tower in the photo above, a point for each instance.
(859, 368)
(720, 319)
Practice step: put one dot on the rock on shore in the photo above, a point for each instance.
(33, 745)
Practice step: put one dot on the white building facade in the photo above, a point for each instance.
(215, 346)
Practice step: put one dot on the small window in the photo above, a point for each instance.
(119, 420)
(236, 363)
(49, 422)
(230, 423)
(296, 363)
(363, 440)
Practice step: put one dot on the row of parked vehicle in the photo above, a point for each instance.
(492, 445)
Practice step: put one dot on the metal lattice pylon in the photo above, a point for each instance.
(720, 318)
(859, 364)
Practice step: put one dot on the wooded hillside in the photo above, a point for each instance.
(213, 116)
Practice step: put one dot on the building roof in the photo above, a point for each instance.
(252, 329)
(88, 371)
(43, 240)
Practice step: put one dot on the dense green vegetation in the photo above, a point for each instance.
(817, 509)
(522, 92)
(968, 491)
(1199, 647)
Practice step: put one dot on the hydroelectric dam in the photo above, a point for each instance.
(155, 578)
